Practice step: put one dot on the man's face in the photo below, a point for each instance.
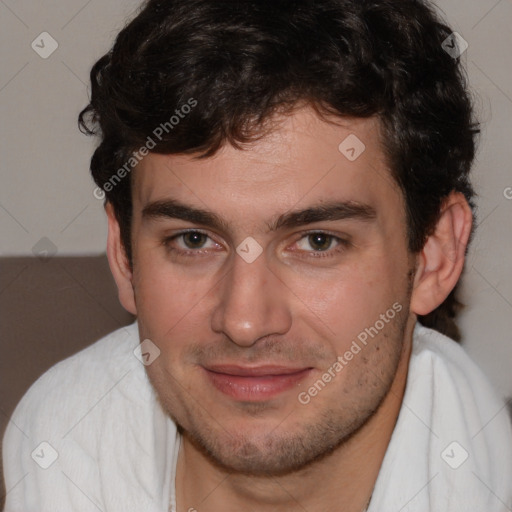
(247, 338)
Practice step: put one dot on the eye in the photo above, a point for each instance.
(193, 242)
(321, 242)
(188, 242)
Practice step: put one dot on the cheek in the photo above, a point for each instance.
(166, 299)
(352, 299)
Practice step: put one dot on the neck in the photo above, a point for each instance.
(346, 476)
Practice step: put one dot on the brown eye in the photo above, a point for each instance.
(320, 241)
(320, 244)
(194, 239)
(190, 243)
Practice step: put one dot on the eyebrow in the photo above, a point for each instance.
(330, 211)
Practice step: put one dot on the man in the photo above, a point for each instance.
(289, 208)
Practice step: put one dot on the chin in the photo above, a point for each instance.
(274, 450)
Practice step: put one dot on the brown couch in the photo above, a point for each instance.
(50, 308)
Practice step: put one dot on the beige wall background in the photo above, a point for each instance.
(46, 195)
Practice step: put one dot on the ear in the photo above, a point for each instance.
(441, 260)
(118, 262)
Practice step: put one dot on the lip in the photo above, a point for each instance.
(255, 383)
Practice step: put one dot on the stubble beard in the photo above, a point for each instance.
(279, 452)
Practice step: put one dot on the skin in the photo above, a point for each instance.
(295, 305)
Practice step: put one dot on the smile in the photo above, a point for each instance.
(256, 383)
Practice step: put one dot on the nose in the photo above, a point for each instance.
(252, 303)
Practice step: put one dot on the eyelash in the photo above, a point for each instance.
(342, 244)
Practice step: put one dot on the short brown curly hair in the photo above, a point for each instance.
(243, 61)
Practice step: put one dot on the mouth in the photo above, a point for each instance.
(253, 384)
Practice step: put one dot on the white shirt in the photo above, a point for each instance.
(109, 446)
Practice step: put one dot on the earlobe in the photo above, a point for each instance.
(441, 261)
(119, 264)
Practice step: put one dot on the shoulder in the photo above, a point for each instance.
(81, 375)
(433, 350)
(462, 400)
(97, 382)
(79, 423)
(455, 428)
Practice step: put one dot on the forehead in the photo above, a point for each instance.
(302, 159)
